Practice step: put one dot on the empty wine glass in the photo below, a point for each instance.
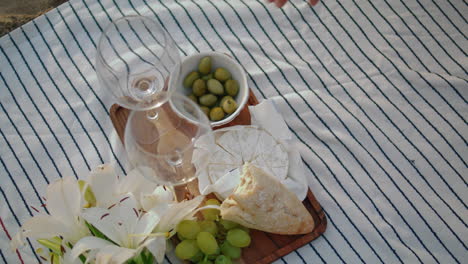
(137, 61)
(167, 136)
(173, 148)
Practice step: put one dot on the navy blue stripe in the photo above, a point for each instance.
(317, 253)
(365, 113)
(84, 54)
(306, 84)
(58, 89)
(74, 88)
(382, 111)
(16, 217)
(138, 36)
(416, 71)
(373, 82)
(16, 187)
(227, 24)
(23, 169)
(434, 38)
(438, 25)
(33, 129)
(402, 153)
(417, 57)
(47, 98)
(416, 36)
(255, 85)
(36, 108)
(24, 143)
(456, 10)
(30, 125)
(328, 242)
(3, 257)
(163, 25)
(445, 222)
(357, 140)
(448, 18)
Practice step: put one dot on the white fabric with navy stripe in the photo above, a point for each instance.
(375, 90)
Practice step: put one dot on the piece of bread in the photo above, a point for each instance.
(261, 202)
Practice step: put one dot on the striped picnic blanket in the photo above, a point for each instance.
(374, 89)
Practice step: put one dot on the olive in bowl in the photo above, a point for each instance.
(217, 83)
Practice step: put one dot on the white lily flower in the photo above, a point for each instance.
(131, 229)
(107, 186)
(65, 203)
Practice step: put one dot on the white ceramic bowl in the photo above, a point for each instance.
(190, 63)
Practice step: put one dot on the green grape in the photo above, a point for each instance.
(198, 257)
(228, 224)
(186, 249)
(180, 237)
(207, 243)
(211, 214)
(238, 238)
(209, 226)
(188, 229)
(221, 259)
(231, 251)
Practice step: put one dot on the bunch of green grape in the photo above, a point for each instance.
(212, 240)
(213, 91)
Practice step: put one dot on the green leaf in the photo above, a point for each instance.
(52, 245)
(98, 233)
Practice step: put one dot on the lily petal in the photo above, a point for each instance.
(157, 196)
(114, 255)
(145, 225)
(135, 183)
(86, 244)
(116, 222)
(177, 212)
(157, 247)
(42, 226)
(64, 199)
(103, 181)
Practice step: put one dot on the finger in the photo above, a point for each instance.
(313, 2)
(280, 3)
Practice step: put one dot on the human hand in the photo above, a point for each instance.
(280, 3)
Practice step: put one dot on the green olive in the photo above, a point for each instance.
(229, 106)
(224, 99)
(207, 77)
(232, 87)
(190, 78)
(199, 87)
(208, 100)
(215, 87)
(216, 114)
(222, 74)
(193, 98)
(204, 67)
(205, 110)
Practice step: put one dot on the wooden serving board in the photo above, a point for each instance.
(265, 247)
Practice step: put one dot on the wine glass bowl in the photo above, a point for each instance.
(172, 148)
(137, 61)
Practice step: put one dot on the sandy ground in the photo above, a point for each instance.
(14, 13)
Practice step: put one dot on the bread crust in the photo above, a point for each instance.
(261, 202)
